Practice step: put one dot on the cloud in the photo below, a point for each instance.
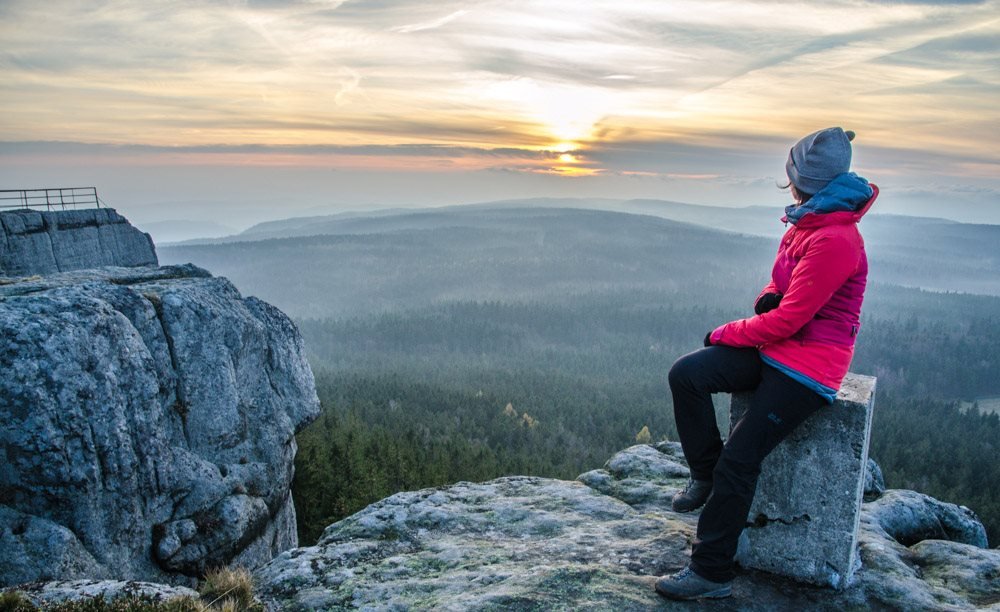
(429, 25)
(412, 150)
(644, 87)
(407, 158)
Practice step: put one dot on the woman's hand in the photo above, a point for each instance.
(767, 302)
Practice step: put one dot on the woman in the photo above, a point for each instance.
(792, 356)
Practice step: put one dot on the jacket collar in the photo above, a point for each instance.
(846, 199)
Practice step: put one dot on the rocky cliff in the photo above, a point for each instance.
(44, 242)
(523, 543)
(147, 417)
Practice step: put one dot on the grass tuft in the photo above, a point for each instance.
(229, 589)
(15, 601)
(183, 604)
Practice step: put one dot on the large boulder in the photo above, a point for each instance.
(910, 517)
(147, 417)
(644, 476)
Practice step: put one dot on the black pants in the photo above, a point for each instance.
(778, 405)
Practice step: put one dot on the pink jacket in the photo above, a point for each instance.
(820, 271)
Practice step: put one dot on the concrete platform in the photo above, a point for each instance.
(804, 520)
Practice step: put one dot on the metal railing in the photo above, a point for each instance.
(58, 198)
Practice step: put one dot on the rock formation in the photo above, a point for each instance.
(41, 242)
(147, 417)
(597, 544)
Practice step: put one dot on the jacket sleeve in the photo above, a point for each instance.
(768, 288)
(829, 260)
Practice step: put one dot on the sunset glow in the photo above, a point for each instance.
(645, 90)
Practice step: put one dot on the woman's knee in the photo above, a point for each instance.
(682, 372)
(717, 369)
(693, 370)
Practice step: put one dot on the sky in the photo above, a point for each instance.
(233, 112)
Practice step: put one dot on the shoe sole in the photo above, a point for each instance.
(686, 510)
(716, 594)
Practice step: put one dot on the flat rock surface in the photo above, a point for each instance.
(511, 543)
(147, 416)
(522, 543)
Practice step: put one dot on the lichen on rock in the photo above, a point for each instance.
(59, 591)
(642, 475)
(511, 542)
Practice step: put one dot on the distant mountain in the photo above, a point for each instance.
(353, 263)
(183, 229)
(981, 207)
(752, 220)
(365, 264)
(757, 220)
(928, 253)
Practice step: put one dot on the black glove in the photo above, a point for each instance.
(767, 302)
(708, 339)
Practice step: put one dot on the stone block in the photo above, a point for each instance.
(805, 516)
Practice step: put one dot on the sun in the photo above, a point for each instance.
(565, 113)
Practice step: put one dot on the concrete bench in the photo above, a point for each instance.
(804, 519)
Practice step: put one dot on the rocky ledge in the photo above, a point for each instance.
(522, 543)
(46, 242)
(147, 417)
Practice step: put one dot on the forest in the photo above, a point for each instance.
(472, 391)
(467, 344)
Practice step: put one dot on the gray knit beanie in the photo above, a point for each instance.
(816, 159)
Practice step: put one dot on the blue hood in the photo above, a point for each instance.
(846, 192)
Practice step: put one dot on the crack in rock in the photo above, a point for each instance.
(762, 520)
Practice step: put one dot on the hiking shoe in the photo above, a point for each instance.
(686, 584)
(694, 496)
